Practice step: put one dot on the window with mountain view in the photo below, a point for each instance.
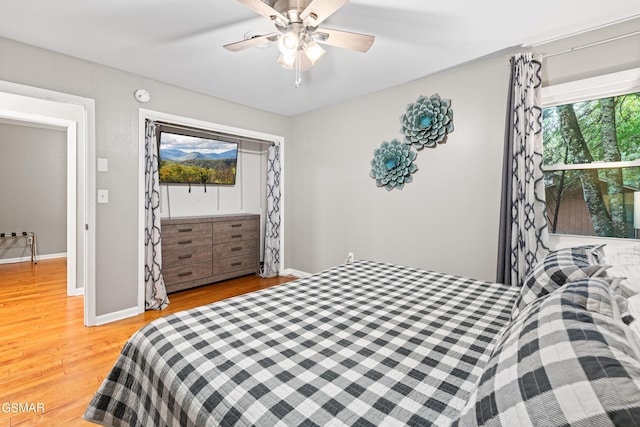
(196, 156)
(592, 166)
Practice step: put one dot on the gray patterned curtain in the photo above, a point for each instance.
(271, 266)
(155, 292)
(523, 238)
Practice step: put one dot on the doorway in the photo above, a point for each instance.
(33, 182)
(75, 115)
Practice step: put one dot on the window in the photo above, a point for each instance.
(196, 156)
(591, 150)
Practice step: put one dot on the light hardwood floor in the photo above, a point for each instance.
(48, 358)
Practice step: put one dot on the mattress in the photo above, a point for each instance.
(360, 344)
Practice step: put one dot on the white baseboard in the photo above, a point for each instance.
(115, 316)
(28, 258)
(295, 273)
(77, 292)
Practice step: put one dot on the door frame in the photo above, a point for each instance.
(75, 115)
(143, 116)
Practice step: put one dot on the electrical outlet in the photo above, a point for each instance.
(349, 258)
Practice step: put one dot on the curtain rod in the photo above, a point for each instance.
(584, 46)
(215, 132)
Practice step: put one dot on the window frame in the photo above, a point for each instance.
(597, 87)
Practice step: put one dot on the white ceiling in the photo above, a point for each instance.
(180, 41)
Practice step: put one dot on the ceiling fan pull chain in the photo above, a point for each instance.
(298, 72)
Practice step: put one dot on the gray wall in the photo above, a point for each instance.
(447, 218)
(33, 189)
(117, 140)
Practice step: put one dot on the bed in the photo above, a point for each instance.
(361, 344)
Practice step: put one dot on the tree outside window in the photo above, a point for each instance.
(592, 165)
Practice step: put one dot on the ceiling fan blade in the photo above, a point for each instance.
(321, 9)
(344, 39)
(265, 10)
(252, 42)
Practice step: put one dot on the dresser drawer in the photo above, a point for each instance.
(193, 229)
(186, 255)
(226, 265)
(186, 241)
(235, 249)
(186, 273)
(201, 250)
(227, 231)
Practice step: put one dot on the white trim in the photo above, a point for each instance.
(592, 88)
(53, 256)
(594, 165)
(28, 258)
(77, 115)
(116, 315)
(145, 114)
(15, 260)
(558, 241)
(282, 204)
(78, 292)
(72, 207)
(295, 273)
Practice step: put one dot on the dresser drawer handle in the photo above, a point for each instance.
(236, 225)
(185, 242)
(239, 248)
(185, 256)
(236, 236)
(235, 264)
(185, 230)
(187, 273)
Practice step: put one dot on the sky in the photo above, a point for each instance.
(191, 144)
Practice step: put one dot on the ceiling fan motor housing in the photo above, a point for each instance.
(287, 6)
(292, 9)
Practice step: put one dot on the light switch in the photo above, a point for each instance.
(103, 165)
(103, 196)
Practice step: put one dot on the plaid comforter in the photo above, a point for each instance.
(362, 344)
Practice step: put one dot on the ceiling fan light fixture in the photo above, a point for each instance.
(313, 51)
(288, 43)
(298, 32)
(287, 60)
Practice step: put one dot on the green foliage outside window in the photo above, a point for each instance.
(222, 171)
(602, 130)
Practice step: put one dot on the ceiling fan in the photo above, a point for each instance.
(298, 34)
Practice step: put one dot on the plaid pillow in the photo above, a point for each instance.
(564, 361)
(556, 269)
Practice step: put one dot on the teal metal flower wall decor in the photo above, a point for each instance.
(427, 121)
(392, 165)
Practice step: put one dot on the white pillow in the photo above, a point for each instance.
(633, 308)
(626, 255)
(626, 263)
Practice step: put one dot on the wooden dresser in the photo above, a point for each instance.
(201, 250)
